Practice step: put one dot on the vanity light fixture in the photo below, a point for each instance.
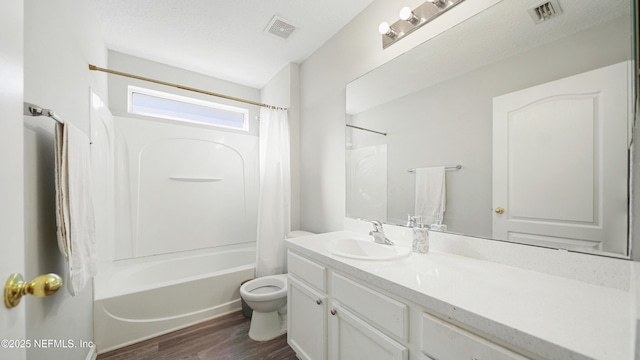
(411, 20)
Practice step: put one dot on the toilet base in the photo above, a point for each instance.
(266, 326)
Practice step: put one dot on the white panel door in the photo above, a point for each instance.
(560, 162)
(12, 321)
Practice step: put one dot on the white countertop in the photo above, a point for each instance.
(552, 316)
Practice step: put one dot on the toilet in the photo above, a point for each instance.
(267, 296)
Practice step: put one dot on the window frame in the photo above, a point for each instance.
(188, 100)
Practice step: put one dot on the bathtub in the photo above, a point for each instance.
(137, 299)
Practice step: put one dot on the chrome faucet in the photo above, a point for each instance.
(378, 234)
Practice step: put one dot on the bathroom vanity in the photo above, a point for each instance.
(443, 305)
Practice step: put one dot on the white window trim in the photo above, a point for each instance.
(135, 89)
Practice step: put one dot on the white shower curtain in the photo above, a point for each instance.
(274, 209)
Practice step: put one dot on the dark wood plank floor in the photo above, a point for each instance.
(224, 338)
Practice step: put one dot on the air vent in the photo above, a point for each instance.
(545, 11)
(280, 27)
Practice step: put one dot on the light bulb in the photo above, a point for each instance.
(384, 28)
(406, 13)
(387, 30)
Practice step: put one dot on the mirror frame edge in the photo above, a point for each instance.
(634, 153)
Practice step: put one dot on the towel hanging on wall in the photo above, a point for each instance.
(74, 205)
(431, 194)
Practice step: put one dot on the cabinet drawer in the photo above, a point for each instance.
(386, 313)
(443, 341)
(312, 273)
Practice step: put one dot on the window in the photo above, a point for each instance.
(175, 107)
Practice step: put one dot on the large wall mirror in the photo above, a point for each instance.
(538, 116)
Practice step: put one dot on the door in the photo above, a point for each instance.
(12, 321)
(560, 162)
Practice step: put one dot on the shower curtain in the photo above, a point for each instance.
(274, 209)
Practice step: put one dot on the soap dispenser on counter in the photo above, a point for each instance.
(438, 226)
(420, 236)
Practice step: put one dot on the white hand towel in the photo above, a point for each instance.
(430, 194)
(75, 217)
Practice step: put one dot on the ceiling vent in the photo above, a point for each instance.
(545, 11)
(280, 28)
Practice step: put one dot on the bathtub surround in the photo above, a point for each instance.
(274, 209)
(208, 178)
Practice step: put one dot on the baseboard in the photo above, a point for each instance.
(92, 355)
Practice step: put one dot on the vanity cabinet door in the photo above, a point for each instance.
(351, 338)
(307, 321)
(443, 341)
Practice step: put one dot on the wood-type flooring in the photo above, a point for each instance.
(224, 338)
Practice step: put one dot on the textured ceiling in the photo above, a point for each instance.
(222, 38)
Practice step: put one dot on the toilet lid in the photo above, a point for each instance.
(264, 289)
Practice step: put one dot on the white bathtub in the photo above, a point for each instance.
(138, 299)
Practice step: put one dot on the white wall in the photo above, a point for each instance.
(61, 38)
(284, 91)
(352, 52)
(12, 321)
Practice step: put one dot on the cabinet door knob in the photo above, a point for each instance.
(333, 311)
(319, 301)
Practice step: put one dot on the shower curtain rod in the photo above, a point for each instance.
(365, 129)
(114, 72)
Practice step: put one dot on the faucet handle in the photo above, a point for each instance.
(377, 225)
(411, 220)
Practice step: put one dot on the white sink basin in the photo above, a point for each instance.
(366, 249)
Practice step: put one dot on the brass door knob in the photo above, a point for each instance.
(16, 287)
(499, 210)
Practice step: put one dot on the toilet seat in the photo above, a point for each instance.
(265, 288)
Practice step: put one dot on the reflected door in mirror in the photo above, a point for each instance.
(560, 162)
